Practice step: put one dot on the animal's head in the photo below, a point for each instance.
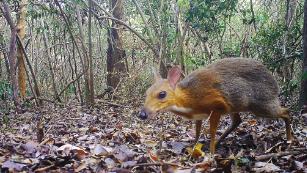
(161, 95)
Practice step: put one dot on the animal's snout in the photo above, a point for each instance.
(143, 114)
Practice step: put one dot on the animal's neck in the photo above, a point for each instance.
(180, 106)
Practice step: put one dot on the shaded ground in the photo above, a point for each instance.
(110, 138)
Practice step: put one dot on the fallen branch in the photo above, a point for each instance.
(273, 147)
(157, 164)
(45, 141)
(44, 168)
(280, 154)
(112, 104)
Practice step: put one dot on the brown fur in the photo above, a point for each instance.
(229, 85)
(239, 84)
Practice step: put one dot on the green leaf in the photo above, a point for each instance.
(183, 4)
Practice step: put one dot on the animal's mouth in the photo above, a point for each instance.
(146, 113)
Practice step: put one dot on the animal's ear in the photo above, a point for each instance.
(157, 75)
(173, 76)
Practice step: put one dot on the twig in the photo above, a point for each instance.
(44, 168)
(112, 104)
(110, 16)
(157, 164)
(280, 154)
(270, 149)
(105, 11)
(45, 141)
(70, 32)
(67, 85)
(143, 18)
(133, 31)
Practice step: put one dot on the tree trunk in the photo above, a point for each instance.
(253, 14)
(66, 49)
(1, 64)
(76, 70)
(6, 61)
(21, 29)
(35, 91)
(303, 94)
(291, 9)
(90, 57)
(181, 31)
(115, 53)
(287, 70)
(88, 98)
(163, 59)
(12, 53)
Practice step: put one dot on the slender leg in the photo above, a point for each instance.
(286, 118)
(198, 124)
(235, 122)
(283, 113)
(288, 129)
(214, 122)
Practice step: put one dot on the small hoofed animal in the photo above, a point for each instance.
(227, 86)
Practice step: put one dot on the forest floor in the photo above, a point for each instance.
(110, 138)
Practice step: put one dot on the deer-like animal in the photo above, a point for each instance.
(227, 86)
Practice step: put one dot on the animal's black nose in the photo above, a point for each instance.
(143, 115)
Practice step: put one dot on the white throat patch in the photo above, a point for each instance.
(180, 109)
(188, 111)
(200, 116)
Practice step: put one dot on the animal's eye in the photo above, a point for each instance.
(162, 94)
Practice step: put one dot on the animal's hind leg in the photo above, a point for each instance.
(235, 122)
(285, 116)
(274, 110)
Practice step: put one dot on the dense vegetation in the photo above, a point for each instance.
(77, 54)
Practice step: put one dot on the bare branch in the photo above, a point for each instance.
(110, 16)
(133, 31)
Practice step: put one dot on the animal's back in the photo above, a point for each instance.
(245, 83)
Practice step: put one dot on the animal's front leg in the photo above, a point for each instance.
(198, 124)
(214, 122)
